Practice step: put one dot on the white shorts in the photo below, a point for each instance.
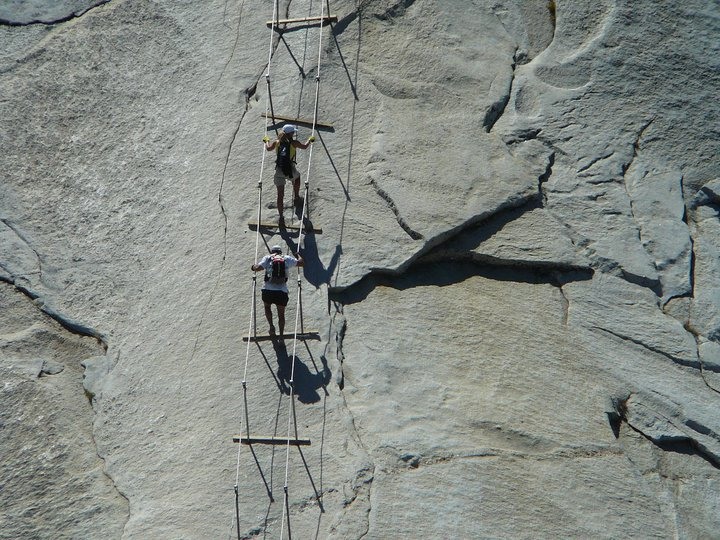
(279, 179)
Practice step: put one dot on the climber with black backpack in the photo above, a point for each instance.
(274, 289)
(285, 168)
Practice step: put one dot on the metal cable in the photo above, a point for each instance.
(244, 415)
(291, 413)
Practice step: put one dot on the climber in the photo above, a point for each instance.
(274, 290)
(285, 168)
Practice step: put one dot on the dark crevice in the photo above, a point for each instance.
(686, 220)
(703, 369)
(235, 44)
(691, 271)
(565, 304)
(221, 203)
(249, 93)
(391, 204)
(615, 421)
(339, 338)
(222, 183)
(106, 474)
(482, 226)
(482, 259)
(544, 178)
(68, 324)
(691, 292)
(475, 233)
(595, 160)
(612, 267)
(685, 445)
(71, 16)
(496, 110)
(452, 272)
(687, 363)
(707, 195)
(510, 209)
(652, 284)
(688, 447)
(299, 65)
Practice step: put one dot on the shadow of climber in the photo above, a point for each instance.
(315, 272)
(306, 383)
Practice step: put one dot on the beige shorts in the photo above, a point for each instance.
(279, 179)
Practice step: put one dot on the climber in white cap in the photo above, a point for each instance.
(285, 168)
(274, 290)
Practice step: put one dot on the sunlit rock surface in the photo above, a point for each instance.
(515, 288)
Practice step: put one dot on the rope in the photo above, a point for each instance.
(244, 414)
(252, 327)
(292, 419)
(315, 115)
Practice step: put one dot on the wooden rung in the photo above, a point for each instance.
(272, 225)
(323, 20)
(310, 334)
(244, 439)
(299, 121)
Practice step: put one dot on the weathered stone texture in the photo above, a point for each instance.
(516, 286)
(53, 480)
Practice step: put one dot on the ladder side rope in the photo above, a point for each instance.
(315, 115)
(312, 133)
(244, 415)
(314, 124)
(291, 412)
(273, 26)
(307, 178)
(304, 58)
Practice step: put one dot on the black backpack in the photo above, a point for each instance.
(276, 272)
(284, 161)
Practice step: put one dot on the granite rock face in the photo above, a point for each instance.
(515, 289)
(26, 12)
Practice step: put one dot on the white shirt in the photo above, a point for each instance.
(266, 263)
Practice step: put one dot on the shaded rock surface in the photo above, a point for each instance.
(516, 286)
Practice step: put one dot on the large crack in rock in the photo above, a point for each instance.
(676, 472)
(522, 237)
(54, 476)
(29, 12)
(477, 389)
(562, 78)
(660, 421)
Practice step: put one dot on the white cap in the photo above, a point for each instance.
(288, 128)
(276, 249)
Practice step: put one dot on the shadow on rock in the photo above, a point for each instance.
(315, 273)
(305, 383)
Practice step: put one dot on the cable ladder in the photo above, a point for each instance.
(292, 438)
